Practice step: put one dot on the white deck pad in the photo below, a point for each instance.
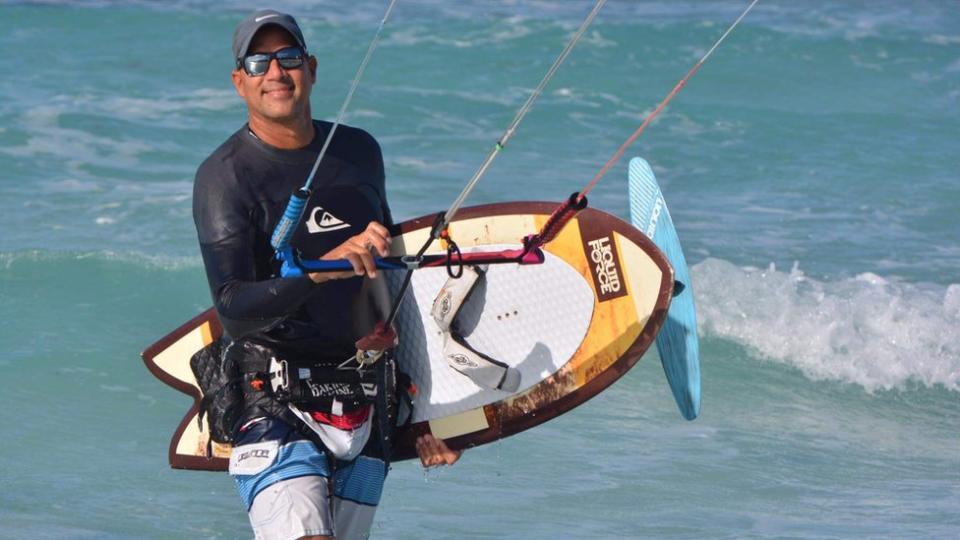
(515, 314)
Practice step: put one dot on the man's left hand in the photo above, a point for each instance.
(434, 452)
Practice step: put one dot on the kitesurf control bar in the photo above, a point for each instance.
(522, 256)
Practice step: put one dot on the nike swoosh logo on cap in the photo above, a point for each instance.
(258, 19)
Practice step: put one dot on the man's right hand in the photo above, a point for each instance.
(359, 250)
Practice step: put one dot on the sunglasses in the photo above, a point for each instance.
(256, 65)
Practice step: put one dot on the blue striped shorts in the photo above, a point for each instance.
(283, 478)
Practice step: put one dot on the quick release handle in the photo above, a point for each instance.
(291, 217)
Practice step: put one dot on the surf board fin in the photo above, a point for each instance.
(677, 341)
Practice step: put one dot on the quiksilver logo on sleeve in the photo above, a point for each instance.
(321, 221)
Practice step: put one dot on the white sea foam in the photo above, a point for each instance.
(423, 165)
(149, 261)
(47, 136)
(499, 33)
(365, 113)
(184, 103)
(940, 39)
(595, 39)
(867, 330)
(508, 97)
(567, 96)
(71, 185)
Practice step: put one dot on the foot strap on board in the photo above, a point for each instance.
(480, 368)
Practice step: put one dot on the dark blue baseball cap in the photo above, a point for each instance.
(243, 34)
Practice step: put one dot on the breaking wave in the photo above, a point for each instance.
(865, 330)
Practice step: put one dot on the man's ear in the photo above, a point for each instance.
(312, 63)
(237, 78)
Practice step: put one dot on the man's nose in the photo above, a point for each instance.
(274, 70)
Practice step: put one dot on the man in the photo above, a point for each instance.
(288, 445)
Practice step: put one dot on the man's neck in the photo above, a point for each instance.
(288, 136)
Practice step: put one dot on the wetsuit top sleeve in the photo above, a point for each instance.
(235, 254)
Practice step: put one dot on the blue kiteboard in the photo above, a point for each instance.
(677, 341)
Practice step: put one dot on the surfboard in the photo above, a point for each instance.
(677, 342)
(570, 326)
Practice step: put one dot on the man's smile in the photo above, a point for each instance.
(279, 91)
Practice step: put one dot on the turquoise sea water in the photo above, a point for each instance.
(811, 168)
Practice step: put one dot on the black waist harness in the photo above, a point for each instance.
(330, 384)
(243, 380)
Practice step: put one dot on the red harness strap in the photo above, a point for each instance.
(349, 421)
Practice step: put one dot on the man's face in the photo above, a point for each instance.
(279, 95)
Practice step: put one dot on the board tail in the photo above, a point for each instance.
(677, 341)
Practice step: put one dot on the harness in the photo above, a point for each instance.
(334, 387)
(312, 382)
(243, 380)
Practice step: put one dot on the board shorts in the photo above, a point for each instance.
(284, 480)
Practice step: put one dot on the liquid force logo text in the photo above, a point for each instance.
(605, 263)
(606, 268)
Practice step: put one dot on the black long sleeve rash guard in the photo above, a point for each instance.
(240, 193)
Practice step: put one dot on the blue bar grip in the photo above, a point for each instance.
(291, 217)
(292, 266)
(289, 267)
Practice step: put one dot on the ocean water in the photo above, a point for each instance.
(811, 168)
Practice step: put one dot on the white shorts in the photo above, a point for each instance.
(284, 480)
(300, 507)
